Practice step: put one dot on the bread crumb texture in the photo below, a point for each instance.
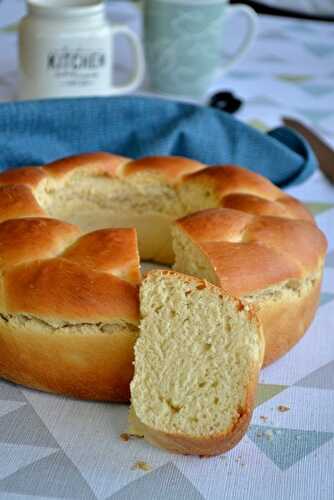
(51, 326)
(195, 357)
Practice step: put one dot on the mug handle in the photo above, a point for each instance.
(138, 73)
(251, 31)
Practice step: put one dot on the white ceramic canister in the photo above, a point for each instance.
(66, 49)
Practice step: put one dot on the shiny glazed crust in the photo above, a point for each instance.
(250, 253)
(52, 273)
(69, 308)
(254, 254)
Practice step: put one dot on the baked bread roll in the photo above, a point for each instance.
(197, 361)
(69, 302)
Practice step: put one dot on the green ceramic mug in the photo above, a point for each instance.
(184, 43)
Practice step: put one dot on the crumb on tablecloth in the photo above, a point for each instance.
(269, 434)
(125, 436)
(263, 418)
(141, 465)
(283, 408)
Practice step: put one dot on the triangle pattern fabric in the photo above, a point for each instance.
(317, 89)
(271, 58)
(24, 426)
(273, 35)
(20, 456)
(323, 378)
(243, 75)
(319, 49)
(10, 392)
(9, 406)
(263, 100)
(52, 476)
(314, 114)
(298, 26)
(318, 208)
(164, 483)
(285, 447)
(267, 391)
(326, 297)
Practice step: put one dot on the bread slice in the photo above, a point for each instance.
(197, 361)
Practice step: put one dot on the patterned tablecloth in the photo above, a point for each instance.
(52, 447)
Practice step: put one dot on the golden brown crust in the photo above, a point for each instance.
(63, 290)
(28, 176)
(215, 225)
(102, 163)
(282, 207)
(94, 366)
(245, 268)
(296, 209)
(108, 251)
(227, 179)
(303, 242)
(172, 168)
(240, 189)
(252, 253)
(26, 240)
(17, 201)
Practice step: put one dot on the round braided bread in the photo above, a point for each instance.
(69, 289)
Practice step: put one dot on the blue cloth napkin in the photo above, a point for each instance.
(36, 132)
